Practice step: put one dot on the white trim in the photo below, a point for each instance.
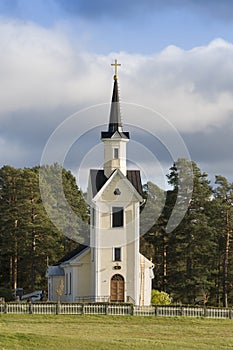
(97, 263)
(137, 256)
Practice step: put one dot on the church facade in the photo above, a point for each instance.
(111, 269)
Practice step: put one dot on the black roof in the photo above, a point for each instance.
(134, 177)
(109, 134)
(115, 123)
(71, 254)
(98, 179)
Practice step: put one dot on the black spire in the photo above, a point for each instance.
(115, 113)
(115, 124)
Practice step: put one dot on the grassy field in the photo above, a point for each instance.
(62, 332)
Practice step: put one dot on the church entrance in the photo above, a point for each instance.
(117, 289)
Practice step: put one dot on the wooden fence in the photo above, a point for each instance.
(113, 309)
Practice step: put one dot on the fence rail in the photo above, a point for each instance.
(113, 309)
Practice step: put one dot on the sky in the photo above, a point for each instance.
(175, 80)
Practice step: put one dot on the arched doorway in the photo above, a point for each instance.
(117, 293)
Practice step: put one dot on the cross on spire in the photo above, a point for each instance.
(116, 65)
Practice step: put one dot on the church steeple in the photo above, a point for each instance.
(115, 138)
(115, 123)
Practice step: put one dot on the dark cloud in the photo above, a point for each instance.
(212, 150)
(211, 146)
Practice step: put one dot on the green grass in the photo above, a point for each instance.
(62, 332)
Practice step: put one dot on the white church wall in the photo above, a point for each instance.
(114, 236)
(69, 276)
(78, 277)
(107, 269)
(111, 162)
(55, 284)
(132, 272)
(83, 281)
(126, 237)
(145, 280)
(147, 287)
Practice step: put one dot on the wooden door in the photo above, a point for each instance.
(117, 289)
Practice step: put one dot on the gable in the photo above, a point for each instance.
(70, 255)
(98, 179)
(118, 189)
(79, 259)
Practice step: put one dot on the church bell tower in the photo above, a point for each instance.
(115, 195)
(115, 139)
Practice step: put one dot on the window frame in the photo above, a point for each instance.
(70, 283)
(114, 217)
(117, 251)
(116, 153)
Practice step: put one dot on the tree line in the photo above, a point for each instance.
(29, 241)
(193, 261)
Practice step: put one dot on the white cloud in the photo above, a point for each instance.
(39, 68)
(193, 89)
(42, 71)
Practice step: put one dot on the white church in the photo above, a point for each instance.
(111, 269)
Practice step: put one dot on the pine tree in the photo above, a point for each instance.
(29, 241)
(191, 244)
(223, 220)
(10, 206)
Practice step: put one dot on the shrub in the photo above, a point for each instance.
(160, 298)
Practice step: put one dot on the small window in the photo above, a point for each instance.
(93, 254)
(70, 284)
(93, 216)
(117, 254)
(116, 153)
(117, 217)
(66, 283)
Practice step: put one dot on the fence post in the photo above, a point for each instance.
(205, 311)
(181, 311)
(5, 308)
(58, 308)
(30, 308)
(230, 313)
(106, 310)
(132, 310)
(156, 310)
